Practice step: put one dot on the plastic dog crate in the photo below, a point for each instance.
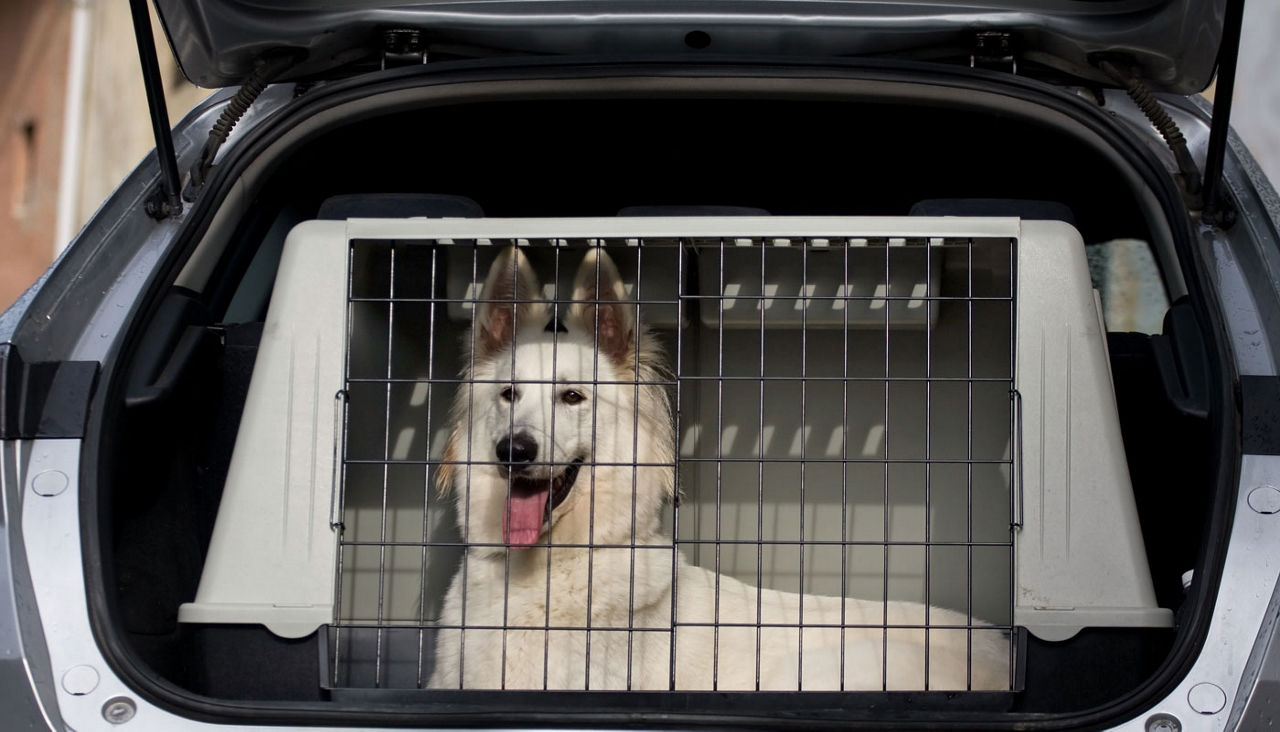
(883, 408)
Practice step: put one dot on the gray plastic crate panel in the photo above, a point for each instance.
(860, 445)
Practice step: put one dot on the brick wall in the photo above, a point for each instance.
(115, 132)
(33, 52)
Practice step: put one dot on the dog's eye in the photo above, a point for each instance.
(569, 396)
(508, 394)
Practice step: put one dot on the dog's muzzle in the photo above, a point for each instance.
(530, 502)
(517, 451)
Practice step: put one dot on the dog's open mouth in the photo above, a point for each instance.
(530, 502)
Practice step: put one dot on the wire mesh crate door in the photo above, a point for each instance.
(839, 413)
(845, 446)
(565, 421)
(398, 537)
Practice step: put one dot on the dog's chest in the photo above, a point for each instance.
(570, 589)
(563, 620)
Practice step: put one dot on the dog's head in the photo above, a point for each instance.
(558, 432)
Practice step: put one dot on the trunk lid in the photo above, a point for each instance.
(1172, 45)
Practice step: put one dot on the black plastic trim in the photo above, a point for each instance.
(687, 709)
(1260, 422)
(177, 334)
(43, 400)
(1180, 357)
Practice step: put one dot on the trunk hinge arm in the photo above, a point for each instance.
(1218, 207)
(165, 202)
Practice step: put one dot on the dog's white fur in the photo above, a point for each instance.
(583, 573)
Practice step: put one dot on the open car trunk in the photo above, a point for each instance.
(850, 400)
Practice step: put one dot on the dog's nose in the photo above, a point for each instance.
(520, 448)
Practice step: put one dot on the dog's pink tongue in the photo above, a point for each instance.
(526, 511)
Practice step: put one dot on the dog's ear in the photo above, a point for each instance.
(598, 306)
(509, 301)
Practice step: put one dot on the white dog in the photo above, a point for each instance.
(560, 462)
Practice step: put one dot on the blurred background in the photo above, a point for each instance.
(75, 117)
(75, 122)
